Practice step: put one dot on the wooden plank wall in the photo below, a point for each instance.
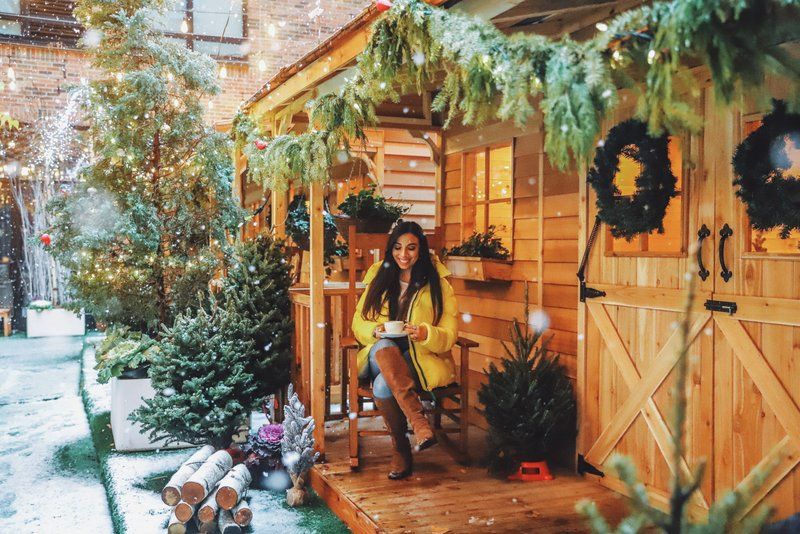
(545, 250)
(410, 175)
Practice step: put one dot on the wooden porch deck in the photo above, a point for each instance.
(444, 497)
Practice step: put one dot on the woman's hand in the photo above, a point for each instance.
(416, 333)
(378, 329)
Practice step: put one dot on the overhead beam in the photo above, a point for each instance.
(536, 8)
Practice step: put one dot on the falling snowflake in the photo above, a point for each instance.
(466, 317)
(168, 392)
(539, 320)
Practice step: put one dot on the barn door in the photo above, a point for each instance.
(630, 336)
(756, 341)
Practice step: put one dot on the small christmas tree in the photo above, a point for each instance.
(256, 291)
(297, 447)
(529, 403)
(725, 515)
(204, 391)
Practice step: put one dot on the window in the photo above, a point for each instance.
(770, 242)
(487, 190)
(671, 242)
(209, 26)
(7, 26)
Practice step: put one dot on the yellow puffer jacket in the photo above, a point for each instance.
(432, 357)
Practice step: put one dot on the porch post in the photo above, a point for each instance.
(280, 204)
(317, 279)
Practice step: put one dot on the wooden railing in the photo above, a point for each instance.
(338, 316)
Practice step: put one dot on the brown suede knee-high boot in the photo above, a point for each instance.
(395, 419)
(395, 371)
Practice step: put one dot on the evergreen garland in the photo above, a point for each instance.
(760, 162)
(644, 211)
(484, 74)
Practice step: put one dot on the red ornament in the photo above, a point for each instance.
(260, 144)
(383, 5)
(45, 239)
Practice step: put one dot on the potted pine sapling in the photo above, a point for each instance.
(529, 405)
(297, 447)
(368, 211)
(482, 257)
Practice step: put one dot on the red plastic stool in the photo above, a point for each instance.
(532, 472)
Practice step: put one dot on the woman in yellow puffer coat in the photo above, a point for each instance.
(409, 285)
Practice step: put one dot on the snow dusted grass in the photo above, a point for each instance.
(49, 472)
(134, 480)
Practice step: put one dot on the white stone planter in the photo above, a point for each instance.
(55, 322)
(127, 395)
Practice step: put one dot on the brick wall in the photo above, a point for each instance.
(278, 34)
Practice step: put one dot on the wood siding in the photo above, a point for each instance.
(545, 250)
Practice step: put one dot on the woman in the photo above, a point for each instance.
(408, 285)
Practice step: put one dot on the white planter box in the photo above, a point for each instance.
(126, 396)
(55, 322)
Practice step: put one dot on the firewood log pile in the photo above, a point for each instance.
(208, 490)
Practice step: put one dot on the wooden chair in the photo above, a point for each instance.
(451, 401)
(5, 315)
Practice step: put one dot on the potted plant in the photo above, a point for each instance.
(123, 359)
(263, 458)
(481, 257)
(46, 320)
(298, 228)
(529, 405)
(369, 211)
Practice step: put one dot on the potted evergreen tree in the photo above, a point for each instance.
(481, 257)
(368, 211)
(529, 403)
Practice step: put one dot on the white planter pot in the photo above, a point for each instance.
(55, 322)
(126, 396)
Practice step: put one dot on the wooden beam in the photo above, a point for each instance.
(537, 8)
(318, 329)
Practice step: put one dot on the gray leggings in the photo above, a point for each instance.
(380, 388)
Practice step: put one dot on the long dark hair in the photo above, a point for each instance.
(385, 287)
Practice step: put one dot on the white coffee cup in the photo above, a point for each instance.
(393, 327)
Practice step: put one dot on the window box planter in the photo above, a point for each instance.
(128, 394)
(55, 322)
(479, 269)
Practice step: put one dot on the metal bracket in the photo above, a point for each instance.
(585, 467)
(589, 292)
(721, 306)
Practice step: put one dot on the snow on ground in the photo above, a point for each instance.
(48, 467)
(136, 480)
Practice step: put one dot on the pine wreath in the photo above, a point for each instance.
(644, 211)
(760, 162)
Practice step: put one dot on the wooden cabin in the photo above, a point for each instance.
(618, 347)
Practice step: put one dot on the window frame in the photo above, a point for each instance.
(684, 194)
(747, 234)
(190, 37)
(464, 204)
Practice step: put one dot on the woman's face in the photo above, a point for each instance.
(406, 251)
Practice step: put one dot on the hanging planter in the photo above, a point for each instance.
(369, 212)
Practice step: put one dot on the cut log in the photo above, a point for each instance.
(206, 528)
(242, 514)
(171, 494)
(207, 510)
(233, 487)
(226, 523)
(184, 511)
(200, 484)
(175, 525)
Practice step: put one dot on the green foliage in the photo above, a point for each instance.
(484, 74)
(369, 205)
(724, 515)
(204, 391)
(298, 228)
(256, 293)
(146, 229)
(123, 350)
(481, 245)
(529, 403)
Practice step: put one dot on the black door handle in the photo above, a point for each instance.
(724, 233)
(702, 234)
